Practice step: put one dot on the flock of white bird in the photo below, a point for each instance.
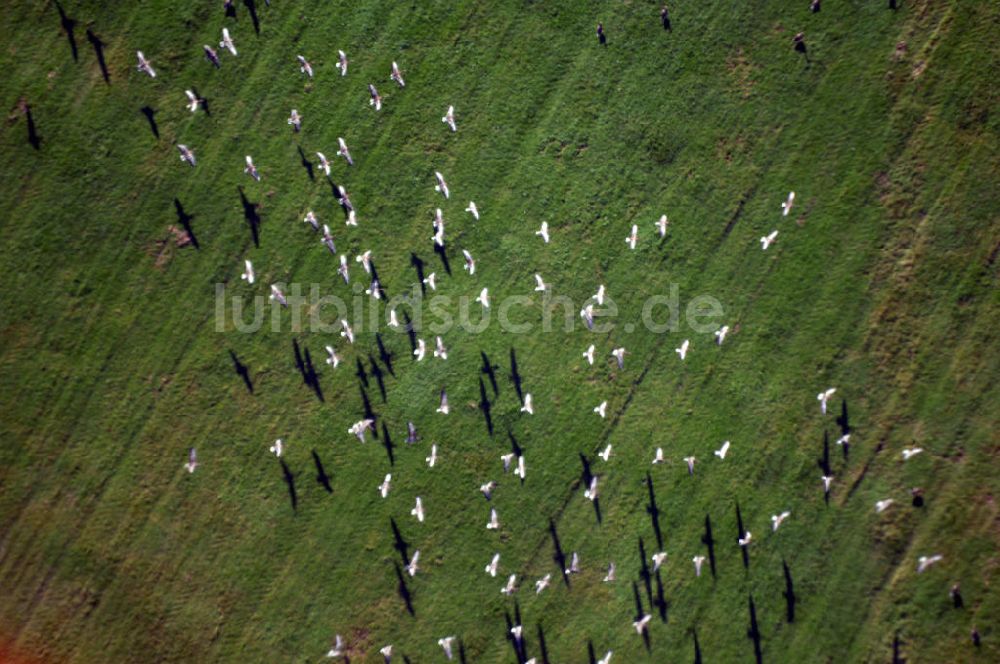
(359, 428)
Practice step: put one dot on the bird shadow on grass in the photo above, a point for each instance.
(489, 369)
(654, 511)
(789, 593)
(404, 591)
(68, 26)
(586, 477)
(418, 265)
(252, 9)
(543, 650)
(697, 646)
(558, 555)
(321, 477)
(375, 280)
(754, 632)
(185, 219)
(443, 255)
(645, 574)
(369, 414)
(252, 216)
(709, 543)
(360, 373)
(515, 375)
(34, 140)
(384, 354)
(516, 644)
(742, 533)
(98, 46)
(306, 164)
(461, 652)
(289, 478)
(591, 655)
(661, 603)
(242, 371)
(400, 544)
(411, 332)
(303, 361)
(639, 613)
(387, 444)
(485, 406)
(205, 106)
(150, 114)
(376, 372)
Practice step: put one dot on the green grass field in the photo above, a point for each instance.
(882, 283)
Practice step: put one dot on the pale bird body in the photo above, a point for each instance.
(418, 510)
(443, 407)
(449, 118)
(606, 453)
(278, 448)
(332, 358)
(432, 459)
(723, 451)
(698, 562)
(720, 334)
(278, 296)
(778, 519)
(144, 66)
(527, 407)
(824, 396)
(383, 488)
(341, 62)
(441, 185)
(589, 354)
(633, 237)
(491, 569)
(397, 76)
(192, 461)
(248, 273)
(601, 409)
(473, 210)
(786, 207)
(543, 232)
(304, 66)
(767, 240)
(683, 350)
(227, 42)
(926, 561)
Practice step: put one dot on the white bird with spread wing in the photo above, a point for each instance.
(786, 207)
(473, 210)
(304, 66)
(720, 334)
(439, 350)
(605, 454)
(926, 561)
(491, 569)
(824, 396)
(484, 298)
(194, 101)
(227, 42)
(543, 232)
(418, 510)
(144, 65)
(374, 98)
(248, 273)
(910, 452)
(633, 237)
(441, 185)
(589, 354)
(443, 407)
(341, 62)
(683, 350)
(397, 76)
(446, 642)
(778, 519)
(767, 240)
(333, 359)
(470, 263)
(601, 409)
(540, 286)
(192, 461)
(449, 118)
(383, 488)
(494, 522)
(432, 459)
(250, 169)
(412, 568)
(698, 562)
(346, 331)
(528, 407)
(661, 225)
(187, 154)
(278, 296)
(337, 649)
(344, 152)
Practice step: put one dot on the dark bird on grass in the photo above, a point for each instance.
(375, 99)
(187, 154)
(601, 39)
(212, 56)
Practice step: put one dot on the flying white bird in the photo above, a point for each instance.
(510, 588)
(344, 152)
(539, 284)
(194, 101)
(633, 237)
(386, 653)
(767, 240)
(295, 120)
(745, 540)
(610, 575)
(324, 163)
(844, 440)
(430, 281)
(192, 461)
(449, 118)
(420, 350)
(824, 397)
(910, 452)
(346, 331)
(341, 62)
(521, 471)
(278, 448)
(543, 231)
(443, 408)
(248, 273)
(542, 584)
(278, 296)
(601, 409)
(484, 298)
(432, 459)
(723, 451)
(607, 657)
(412, 568)
(574, 564)
(227, 42)
(587, 314)
(311, 219)
(827, 481)
(438, 236)
(507, 459)
(698, 562)
(658, 456)
(418, 510)
(619, 355)
(606, 453)
(591, 492)
(777, 519)
(441, 185)
(658, 559)
(187, 154)
(359, 428)
(470, 263)
(689, 460)
(327, 240)
(641, 624)
(375, 99)
(599, 295)
(491, 569)
(487, 489)
(515, 631)
(661, 225)
(144, 65)
(333, 360)
(344, 270)
(250, 169)
(473, 210)
(397, 76)
(883, 505)
(304, 66)
(926, 561)
(393, 319)
(366, 260)
(589, 354)
(683, 350)
(445, 643)
(720, 334)
(337, 649)
(383, 488)
(786, 207)
(439, 350)
(494, 521)
(527, 407)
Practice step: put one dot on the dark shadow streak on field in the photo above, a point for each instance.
(418, 265)
(150, 114)
(697, 646)
(661, 602)
(252, 8)
(644, 572)
(68, 26)
(410, 332)
(369, 414)
(485, 406)
(591, 657)
(99, 45)
(443, 255)
(754, 632)
(404, 591)
(387, 443)
(290, 481)
(400, 544)
(184, 219)
(542, 648)
(515, 375)
(461, 652)
(376, 372)
(384, 354)
(515, 446)
(321, 477)
(639, 613)
(242, 371)
(897, 658)
(375, 279)
(360, 373)
(741, 534)
(654, 512)
(709, 543)
(33, 138)
(204, 101)
(586, 478)
(824, 461)
(252, 217)
(306, 164)
(789, 593)
(557, 555)
(489, 369)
